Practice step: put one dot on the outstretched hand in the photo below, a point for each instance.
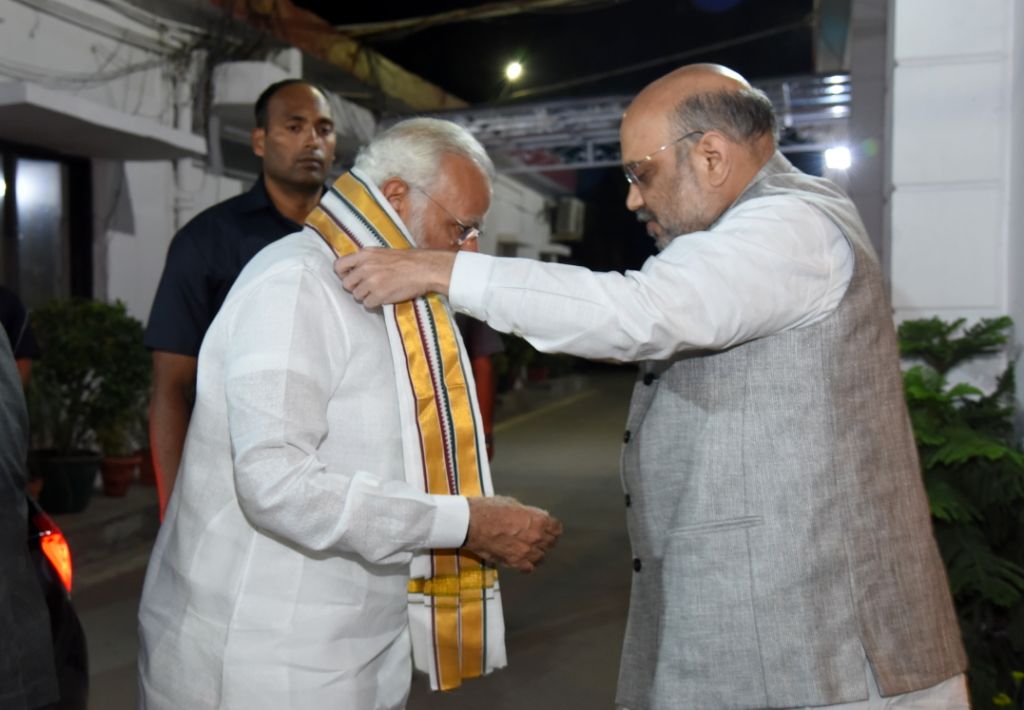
(503, 530)
(378, 276)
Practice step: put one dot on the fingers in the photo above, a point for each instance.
(376, 276)
(344, 264)
(362, 275)
(503, 530)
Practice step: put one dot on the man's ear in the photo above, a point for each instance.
(259, 137)
(715, 154)
(396, 190)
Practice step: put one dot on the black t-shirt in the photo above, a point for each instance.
(14, 317)
(203, 261)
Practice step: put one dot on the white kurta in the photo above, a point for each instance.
(279, 576)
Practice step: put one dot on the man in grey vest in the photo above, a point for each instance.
(783, 552)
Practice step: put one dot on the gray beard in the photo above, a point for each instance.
(661, 242)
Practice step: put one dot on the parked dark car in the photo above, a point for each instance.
(51, 556)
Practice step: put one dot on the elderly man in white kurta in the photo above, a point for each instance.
(279, 578)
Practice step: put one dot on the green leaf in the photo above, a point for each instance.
(963, 444)
(963, 389)
(947, 503)
(929, 427)
(934, 341)
(974, 568)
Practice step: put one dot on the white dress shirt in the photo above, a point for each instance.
(771, 264)
(279, 576)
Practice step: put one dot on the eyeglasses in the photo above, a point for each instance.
(629, 169)
(469, 231)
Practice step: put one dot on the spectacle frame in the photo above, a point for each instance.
(629, 169)
(469, 231)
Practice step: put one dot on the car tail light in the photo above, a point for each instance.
(55, 547)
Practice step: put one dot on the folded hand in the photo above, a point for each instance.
(503, 530)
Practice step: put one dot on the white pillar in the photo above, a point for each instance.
(869, 77)
(956, 159)
(1015, 229)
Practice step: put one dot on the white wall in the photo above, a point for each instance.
(1015, 228)
(163, 196)
(518, 216)
(57, 53)
(956, 159)
(133, 202)
(869, 77)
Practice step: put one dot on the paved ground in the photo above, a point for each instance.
(565, 622)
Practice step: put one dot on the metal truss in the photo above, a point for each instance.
(576, 134)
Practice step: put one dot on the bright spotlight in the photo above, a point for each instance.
(513, 71)
(3, 188)
(838, 158)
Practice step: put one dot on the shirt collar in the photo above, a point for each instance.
(257, 198)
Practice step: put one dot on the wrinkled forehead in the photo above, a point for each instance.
(465, 183)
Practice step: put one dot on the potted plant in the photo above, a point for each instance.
(120, 456)
(973, 470)
(93, 370)
(118, 414)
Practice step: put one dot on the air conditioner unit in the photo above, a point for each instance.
(569, 215)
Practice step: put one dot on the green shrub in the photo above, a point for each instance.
(92, 377)
(974, 474)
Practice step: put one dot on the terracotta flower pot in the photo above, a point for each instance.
(118, 472)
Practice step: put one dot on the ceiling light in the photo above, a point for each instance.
(513, 71)
(838, 158)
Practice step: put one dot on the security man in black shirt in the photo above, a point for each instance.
(294, 137)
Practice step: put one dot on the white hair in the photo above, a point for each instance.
(412, 150)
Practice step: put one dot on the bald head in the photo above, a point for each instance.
(704, 97)
(721, 131)
(666, 92)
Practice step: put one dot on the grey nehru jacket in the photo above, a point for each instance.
(776, 511)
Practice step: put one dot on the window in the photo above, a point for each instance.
(45, 225)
